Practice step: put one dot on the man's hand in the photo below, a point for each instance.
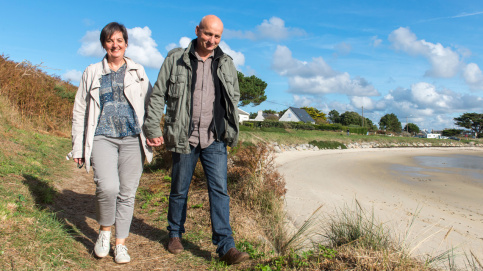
(155, 142)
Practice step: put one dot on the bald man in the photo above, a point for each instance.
(199, 86)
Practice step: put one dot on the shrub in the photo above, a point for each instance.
(253, 175)
(355, 226)
(330, 127)
(328, 144)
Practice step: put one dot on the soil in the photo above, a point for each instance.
(75, 205)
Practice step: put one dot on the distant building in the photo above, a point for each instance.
(242, 116)
(427, 134)
(261, 116)
(296, 115)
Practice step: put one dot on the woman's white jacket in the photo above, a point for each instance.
(137, 90)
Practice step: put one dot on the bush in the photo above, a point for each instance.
(254, 177)
(327, 144)
(247, 124)
(330, 127)
(357, 227)
(358, 130)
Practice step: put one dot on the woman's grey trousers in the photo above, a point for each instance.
(118, 165)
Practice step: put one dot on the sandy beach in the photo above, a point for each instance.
(442, 199)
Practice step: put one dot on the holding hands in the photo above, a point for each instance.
(155, 142)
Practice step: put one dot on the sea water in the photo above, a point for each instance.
(468, 165)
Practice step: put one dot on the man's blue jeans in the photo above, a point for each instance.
(214, 161)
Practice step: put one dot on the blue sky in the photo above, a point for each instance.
(420, 60)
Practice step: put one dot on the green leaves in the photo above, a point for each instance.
(252, 90)
(472, 121)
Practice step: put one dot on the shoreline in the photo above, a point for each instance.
(442, 201)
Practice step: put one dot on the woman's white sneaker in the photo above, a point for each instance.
(121, 255)
(101, 249)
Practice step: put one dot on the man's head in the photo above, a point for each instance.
(209, 34)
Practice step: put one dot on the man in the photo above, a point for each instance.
(199, 86)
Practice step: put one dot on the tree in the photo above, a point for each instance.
(253, 115)
(252, 90)
(390, 122)
(350, 117)
(369, 124)
(270, 111)
(451, 132)
(282, 112)
(411, 128)
(472, 121)
(316, 114)
(334, 116)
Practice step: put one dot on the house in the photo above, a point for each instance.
(427, 134)
(296, 115)
(242, 116)
(261, 116)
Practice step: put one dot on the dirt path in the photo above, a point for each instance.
(76, 206)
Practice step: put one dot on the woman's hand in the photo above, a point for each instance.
(155, 142)
(79, 161)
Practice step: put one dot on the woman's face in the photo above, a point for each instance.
(115, 46)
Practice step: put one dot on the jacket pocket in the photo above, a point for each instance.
(171, 131)
(176, 85)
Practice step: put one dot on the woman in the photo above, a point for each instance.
(107, 134)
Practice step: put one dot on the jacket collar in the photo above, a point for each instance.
(192, 47)
(130, 65)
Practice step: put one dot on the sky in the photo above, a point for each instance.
(421, 60)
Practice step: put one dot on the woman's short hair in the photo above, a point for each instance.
(110, 29)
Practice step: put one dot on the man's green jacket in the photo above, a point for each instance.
(174, 88)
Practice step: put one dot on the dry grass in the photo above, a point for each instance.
(45, 100)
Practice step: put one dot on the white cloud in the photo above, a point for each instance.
(444, 61)
(301, 101)
(141, 47)
(317, 77)
(275, 29)
(91, 46)
(271, 29)
(427, 105)
(363, 102)
(238, 57)
(72, 75)
(473, 76)
(183, 43)
(376, 42)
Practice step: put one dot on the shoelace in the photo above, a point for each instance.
(104, 241)
(121, 250)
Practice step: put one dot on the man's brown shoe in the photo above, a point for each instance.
(175, 246)
(233, 256)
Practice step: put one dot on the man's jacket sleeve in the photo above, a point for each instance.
(156, 103)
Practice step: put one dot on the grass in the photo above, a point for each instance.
(31, 236)
(288, 137)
